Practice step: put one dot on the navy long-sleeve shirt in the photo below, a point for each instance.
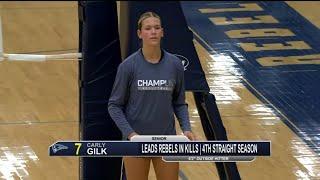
(146, 96)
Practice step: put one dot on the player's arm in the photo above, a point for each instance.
(118, 100)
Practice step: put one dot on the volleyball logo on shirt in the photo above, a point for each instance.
(162, 85)
(184, 60)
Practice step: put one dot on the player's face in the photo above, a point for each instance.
(151, 31)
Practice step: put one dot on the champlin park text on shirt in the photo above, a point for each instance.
(166, 85)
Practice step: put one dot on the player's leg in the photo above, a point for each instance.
(137, 168)
(165, 170)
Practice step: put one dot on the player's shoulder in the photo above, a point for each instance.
(129, 61)
(176, 61)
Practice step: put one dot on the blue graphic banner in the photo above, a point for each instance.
(191, 148)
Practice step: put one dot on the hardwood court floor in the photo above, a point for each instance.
(39, 102)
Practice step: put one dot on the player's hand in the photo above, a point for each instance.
(190, 135)
(131, 135)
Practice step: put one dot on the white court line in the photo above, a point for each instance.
(42, 57)
(34, 57)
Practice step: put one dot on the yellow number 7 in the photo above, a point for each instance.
(78, 147)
